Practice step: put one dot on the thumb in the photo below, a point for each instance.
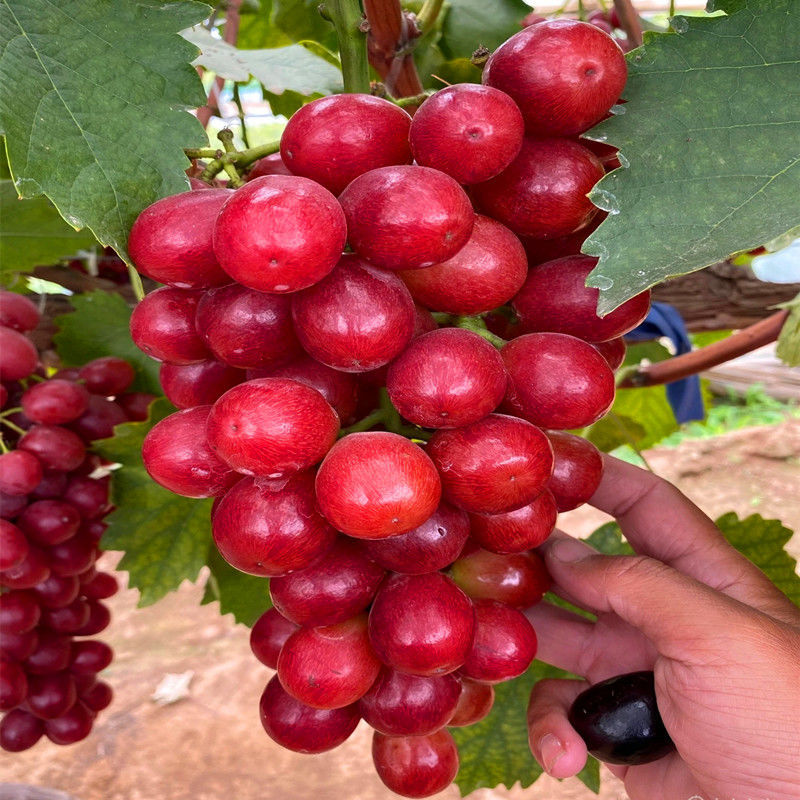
(678, 614)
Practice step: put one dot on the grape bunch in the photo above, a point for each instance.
(385, 430)
(54, 495)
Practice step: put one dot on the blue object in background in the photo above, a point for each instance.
(684, 395)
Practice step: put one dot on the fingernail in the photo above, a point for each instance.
(551, 750)
(570, 550)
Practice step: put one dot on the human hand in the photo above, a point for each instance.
(723, 641)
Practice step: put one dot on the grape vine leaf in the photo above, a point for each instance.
(244, 596)
(281, 22)
(471, 23)
(495, 751)
(711, 135)
(32, 233)
(294, 67)
(98, 327)
(788, 349)
(94, 96)
(639, 417)
(165, 537)
(763, 542)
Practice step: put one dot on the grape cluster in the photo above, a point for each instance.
(372, 444)
(53, 498)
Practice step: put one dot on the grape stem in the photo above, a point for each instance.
(242, 158)
(388, 416)
(234, 178)
(15, 428)
(477, 325)
(10, 411)
(346, 18)
(428, 14)
(673, 369)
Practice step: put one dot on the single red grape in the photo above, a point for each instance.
(271, 528)
(335, 139)
(279, 233)
(495, 465)
(272, 427)
(406, 217)
(484, 274)
(376, 484)
(468, 131)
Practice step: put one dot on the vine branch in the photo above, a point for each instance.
(674, 369)
(346, 18)
(391, 35)
(629, 20)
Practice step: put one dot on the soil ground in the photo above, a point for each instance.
(210, 746)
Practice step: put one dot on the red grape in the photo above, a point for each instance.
(54, 402)
(373, 485)
(333, 590)
(171, 240)
(272, 427)
(577, 472)
(406, 217)
(495, 465)
(301, 728)
(563, 74)
(446, 379)
(415, 766)
(279, 233)
(335, 139)
(177, 456)
(543, 193)
(470, 132)
(356, 319)
(485, 273)
(557, 381)
(421, 624)
(271, 527)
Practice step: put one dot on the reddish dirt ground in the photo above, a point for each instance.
(210, 745)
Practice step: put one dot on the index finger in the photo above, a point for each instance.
(661, 522)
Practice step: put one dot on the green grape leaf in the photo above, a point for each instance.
(608, 539)
(294, 67)
(99, 327)
(712, 138)
(244, 596)
(300, 20)
(469, 24)
(33, 233)
(495, 751)
(258, 30)
(760, 540)
(763, 542)
(165, 537)
(788, 349)
(639, 417)
(652, 351)
(94, 96)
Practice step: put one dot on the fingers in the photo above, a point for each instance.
(596, 650)
(660, 522)
(553, 741)
(562, 753)
(683, 618)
